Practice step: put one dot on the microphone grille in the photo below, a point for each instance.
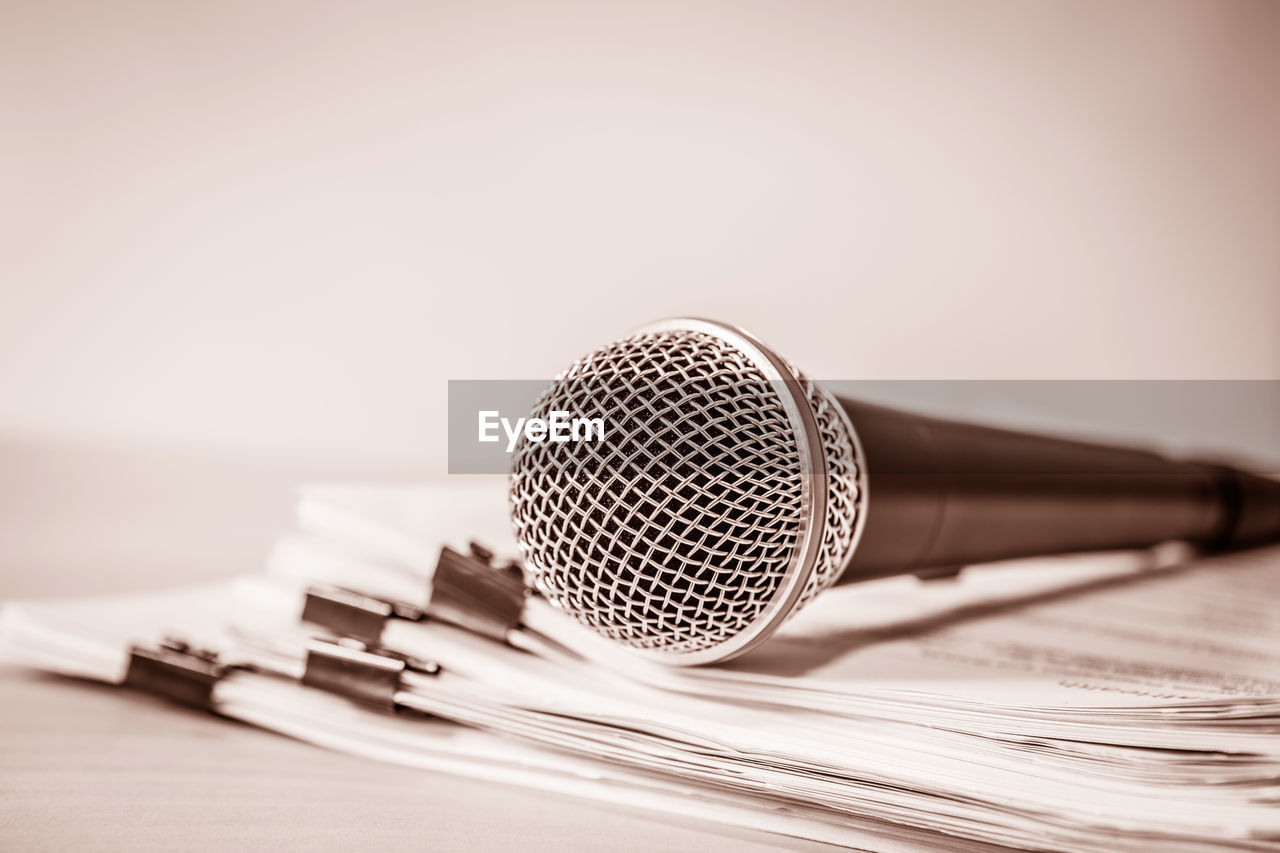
(680, 533)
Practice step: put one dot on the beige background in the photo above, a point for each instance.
(275, 226)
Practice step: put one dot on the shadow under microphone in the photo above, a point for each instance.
(729, 490)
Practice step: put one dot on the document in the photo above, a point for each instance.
(1105, 702)
(1124, 629)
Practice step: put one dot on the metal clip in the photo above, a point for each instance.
(486, 555)
(353, 671)
(347, 613)
(469, 591)
(480, 552)
(175, 671)
(352, 614)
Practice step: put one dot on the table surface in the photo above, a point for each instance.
(90, 766)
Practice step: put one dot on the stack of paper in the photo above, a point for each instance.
(1114, 702)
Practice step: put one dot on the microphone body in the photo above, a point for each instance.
(943, 494)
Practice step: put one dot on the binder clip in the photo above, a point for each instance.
(176, 671)
(474, 592)
(370, 677)
(345, 613)
(470, 590)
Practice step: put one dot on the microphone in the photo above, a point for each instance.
(728, 490)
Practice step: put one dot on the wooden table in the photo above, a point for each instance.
(85, 766)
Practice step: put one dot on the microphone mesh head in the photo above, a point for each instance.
(689, 531)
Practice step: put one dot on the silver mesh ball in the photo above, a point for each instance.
(676, 533)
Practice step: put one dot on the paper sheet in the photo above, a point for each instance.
(1077, 632)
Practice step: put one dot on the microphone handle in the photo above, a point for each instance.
(942, 495)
